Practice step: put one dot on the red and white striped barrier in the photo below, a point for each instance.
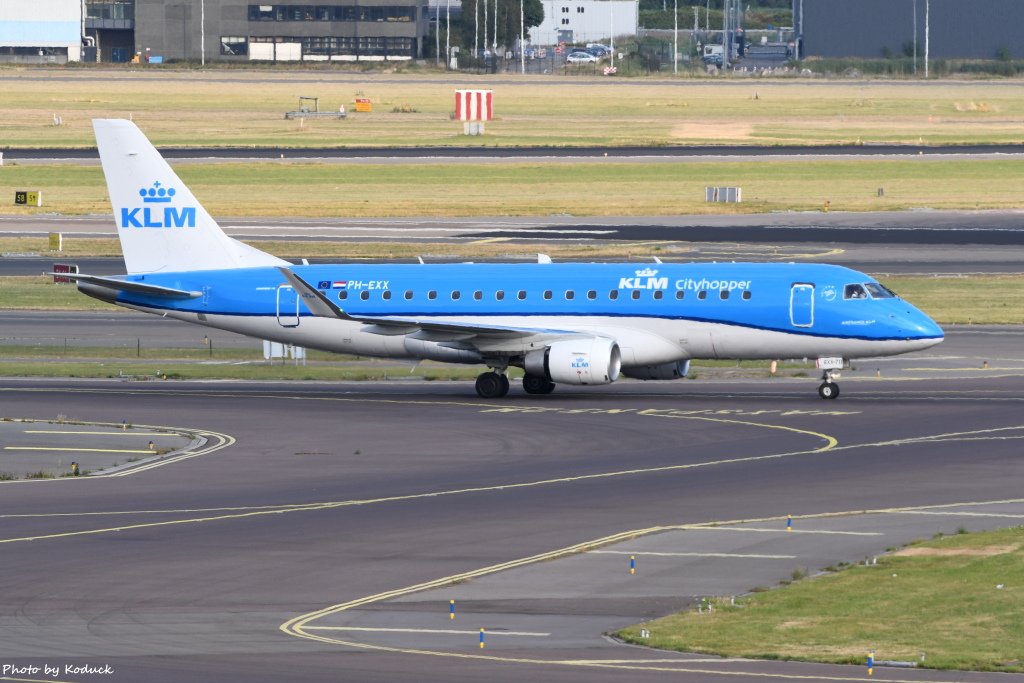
(473, 107)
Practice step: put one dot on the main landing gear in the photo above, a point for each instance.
(491, 385)
(532, 384)
(829, 388)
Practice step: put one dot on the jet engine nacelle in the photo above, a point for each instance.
(589, 360)
(676, 370)
(446, 352)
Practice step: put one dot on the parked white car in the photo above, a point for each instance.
(581, 58)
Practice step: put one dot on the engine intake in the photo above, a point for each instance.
(590, 360)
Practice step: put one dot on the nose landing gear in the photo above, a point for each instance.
(829, 389)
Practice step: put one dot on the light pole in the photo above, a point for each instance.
(447, 34)
(675, 42)
(915, 37)
(611, 29)
(522, 37)
(927, 32)
(202, 31)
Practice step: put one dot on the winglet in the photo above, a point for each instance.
(314, 299)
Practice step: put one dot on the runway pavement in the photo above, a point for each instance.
(335, 500)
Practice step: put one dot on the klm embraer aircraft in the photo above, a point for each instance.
(571, 323)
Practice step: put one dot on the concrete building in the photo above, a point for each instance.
(585, 21)
(41, 31)
(345, 30)
(231, 30)
(958, 29)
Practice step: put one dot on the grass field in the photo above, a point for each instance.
(236, 107)
(542, 189)
(938, 597)
(981, 299)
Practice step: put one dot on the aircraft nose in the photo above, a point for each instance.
(918, 328)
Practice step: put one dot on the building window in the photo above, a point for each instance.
(234, 45)
(565, 22)
(579, 10)
(565, 10)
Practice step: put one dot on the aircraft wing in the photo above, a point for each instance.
(484, 337)
(128, 286)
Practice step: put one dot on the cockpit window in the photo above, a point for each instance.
(855, 292)
(878, 291)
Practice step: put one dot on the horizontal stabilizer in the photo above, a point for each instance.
(126, 286)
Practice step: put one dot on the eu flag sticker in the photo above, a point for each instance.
(324, 284)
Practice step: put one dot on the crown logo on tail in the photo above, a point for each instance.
(158, 194)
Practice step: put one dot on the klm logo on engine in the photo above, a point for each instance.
(155, 216)
(645, 279)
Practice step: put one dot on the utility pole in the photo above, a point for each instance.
(495, 37)
(447, 34)
(927, 31)
(485, 25)
(675, 41)
(476, 29)
(437, 33)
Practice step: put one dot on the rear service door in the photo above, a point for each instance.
(287, 306)
(801, 305)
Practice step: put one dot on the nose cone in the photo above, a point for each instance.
(918, 329)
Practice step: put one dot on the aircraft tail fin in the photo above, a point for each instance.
(161, 225)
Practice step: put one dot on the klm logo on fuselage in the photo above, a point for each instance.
(157, 216)
(645, 279)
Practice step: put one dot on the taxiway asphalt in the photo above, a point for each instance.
(345, 494)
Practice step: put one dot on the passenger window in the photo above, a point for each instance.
(592, 294)
(680, 294)
(658, 294)
(521, 295)
(878, 291)
(746, 295)
(547, 293)
(342, 295)
(364, 295)
(569, 295)
(854, 292)
(724, 294)
(636, 294)
(386, 295)
(408, 294)
(432, 294)
(456, 294)
(499, 295)
(702, 294)
(478, 295)
(613, 295)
